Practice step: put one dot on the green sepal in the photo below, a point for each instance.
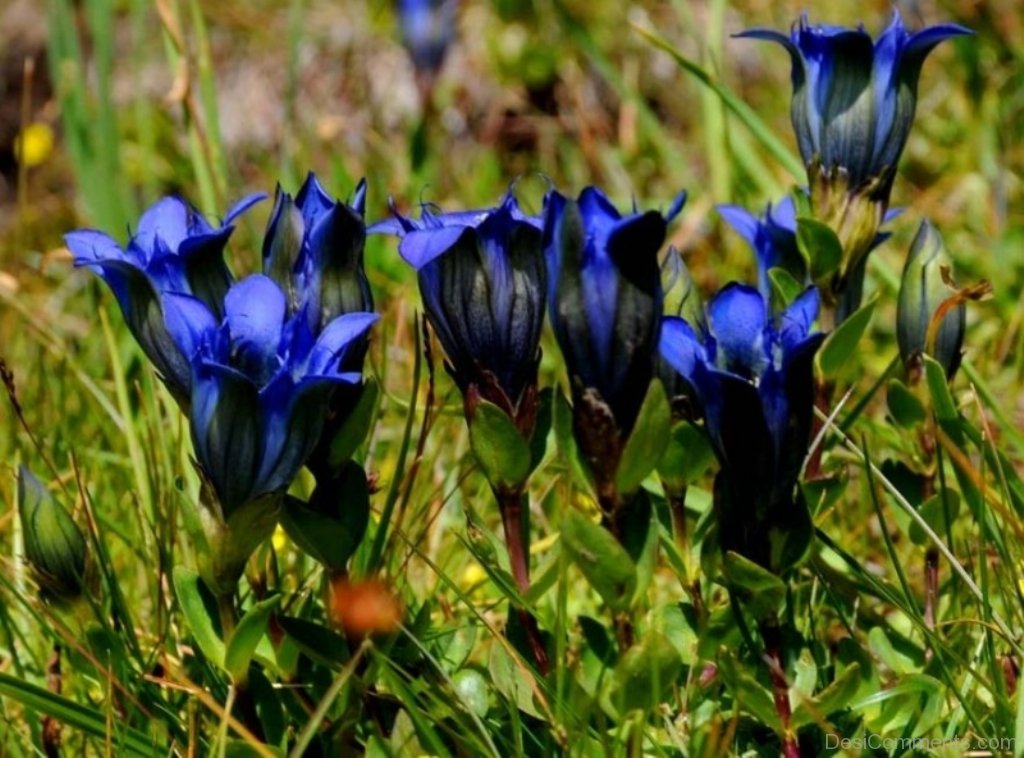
(820, 247)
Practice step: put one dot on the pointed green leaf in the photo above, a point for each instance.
(190, 591)
(760, 591)
(602, 560)
(646, 444)
(504, 456)
(841, 344)
(645, 674)
(247, 636)
(356, 426)
(785, 289)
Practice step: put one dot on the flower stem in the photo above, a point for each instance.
(515, 520)
(242, 698)
(780, 688)
(612, 521)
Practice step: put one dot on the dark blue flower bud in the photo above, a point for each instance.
(923, 291)
(313, 249)
(483, 283)
(753, 382)
(852, 109)
(605, 297)
(174, 250)
(54, 545)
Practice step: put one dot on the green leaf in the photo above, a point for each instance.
(760, 591)
(785, 289)
(835, 697)
(646, 444)
(247, 636)
(473, 690)
(841, 344)
(318, 643)
(645, 674)
(332, 525)
(906, 408)
(602, 560)
(352, 433)
(504, 456)
(751, 696)
(933, 511)
(686, 457)
(819, 246)
(938, 386)
(190, 591)
(89, 720)
(642, 531)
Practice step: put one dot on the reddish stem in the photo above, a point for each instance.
(511, 506)
(780, 688)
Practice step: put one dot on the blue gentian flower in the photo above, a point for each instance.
(483, 282)
(605, 299)
(854, 98)
(428, 28)
(752, 377)
(852, 109)
(261, 381)
(923, 291)
(313, 249)
(174, 249)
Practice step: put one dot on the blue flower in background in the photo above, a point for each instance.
(174, 249)
(605, 297)
(752, 377)
(772, 238)
(428, 29)
(483, 282)
(854, 98)
(313, 249)
(261, 381)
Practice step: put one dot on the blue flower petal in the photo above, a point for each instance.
(418, 248)
(796, 320)
(335, 338)
(737, 317)
(254, 311)
(681, 347)
(242, 206)
(166, 220)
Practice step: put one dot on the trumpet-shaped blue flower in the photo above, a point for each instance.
(261, 381)
(174, 249)
(605, 297)
(483, 282)
(753, 381)
(854, 98)
(852, 109)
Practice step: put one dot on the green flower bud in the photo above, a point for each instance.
(54, 545)
(923, 297)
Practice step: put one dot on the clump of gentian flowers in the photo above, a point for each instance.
(252, 362)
